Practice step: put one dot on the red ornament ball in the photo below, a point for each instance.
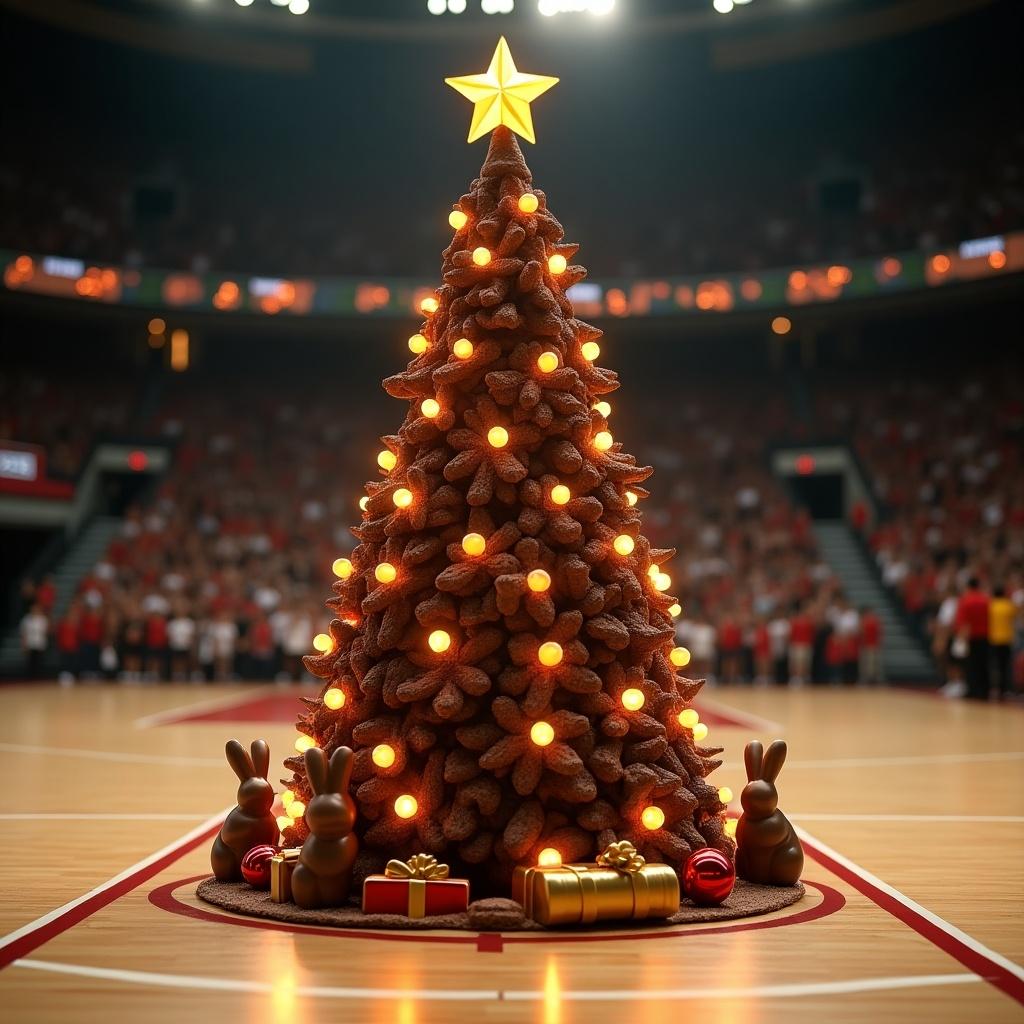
(256, 866)
(708, 877)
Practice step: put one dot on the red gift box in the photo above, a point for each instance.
(419, 887)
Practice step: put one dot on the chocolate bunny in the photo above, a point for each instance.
(767, 848)
(323, 876)
(250, 823)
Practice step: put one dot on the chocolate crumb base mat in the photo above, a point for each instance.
(488, 915)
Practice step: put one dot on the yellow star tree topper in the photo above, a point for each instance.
(502, 95)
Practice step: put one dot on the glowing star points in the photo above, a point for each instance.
(501, 95)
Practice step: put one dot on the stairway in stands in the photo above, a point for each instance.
(79, 558)
(904, 657)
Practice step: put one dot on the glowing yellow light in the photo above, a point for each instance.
(406, 806)
(653, 570)
(383, 755)
(547, 362)
(457, 219)
(591, 350)
(700, 730)
(730, 827)
(560, 494)
(283, 822)
(304, 743)
(725, 794)
(538, 580)
(287, 797)
(550, 653)
(633, 699)
(549, 857)
(463, 348)
(418, 344)
(557, 263)
(429, 305)
(402, 497)
(334, 698)
(662, 581)
(632, 497)
(474, 544)
(542, 734)
(528, 203)
(385, 573)
(387, 460)
(680, 657)
(652, 817)
(439, 641)
(296, 809)
(364, 501)
(342, 568)
(603, 440)
(675, 609)
(782, 325)
(430, 407)
(481, 256)
(497, 437)
(323, 643)
(604, 408)
(624, 544)
(688, 718)
(157, 326)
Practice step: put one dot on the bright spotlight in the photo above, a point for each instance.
(298, 6)
(722, 6)
(548, 7)
(456, 6)
(437, 6)
(243, 3)
(603, 7)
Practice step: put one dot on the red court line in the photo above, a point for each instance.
(488, 942)
(974, 960)
(49, 928)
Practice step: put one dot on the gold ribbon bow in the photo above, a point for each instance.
(420, 865)
(621, 856)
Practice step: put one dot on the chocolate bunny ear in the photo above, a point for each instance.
(753, 753)
(340, 773)
(316, 770)
(261, 757)
(238, 758)
(774, 760)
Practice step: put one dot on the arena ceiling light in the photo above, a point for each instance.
(549, 8)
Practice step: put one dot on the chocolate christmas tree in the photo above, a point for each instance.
(502, 658)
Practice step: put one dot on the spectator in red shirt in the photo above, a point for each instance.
(46, 595)
(801, 647)
(730, 646)
(90, 637)
(68, 644)
(870, 646)
(972, 626)
(156, 646)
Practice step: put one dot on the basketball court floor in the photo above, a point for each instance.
(911, 810)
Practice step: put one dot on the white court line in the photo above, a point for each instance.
(960, 936)
(870, 762)
(112, 755)
(492, 995)
(996, 819)
(227, 700)
(743, 718)
(41, 922)
(57, 816)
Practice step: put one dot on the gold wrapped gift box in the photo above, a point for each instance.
(281, 867)
(621, 886)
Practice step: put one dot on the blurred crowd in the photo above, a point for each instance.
(222, 572)
(945, 456)
(202, 217)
